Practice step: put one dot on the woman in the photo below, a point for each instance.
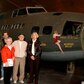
(57, 41)
(7, 54)
(34, 51)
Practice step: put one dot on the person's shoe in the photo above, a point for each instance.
(15, 82)
(36, 82)
(11, 79)
(21, 81)
(1, 78)
(30, 81)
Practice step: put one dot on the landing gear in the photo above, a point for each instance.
(70, 68)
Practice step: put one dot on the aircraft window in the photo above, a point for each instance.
(21, 26)
(35, 29)
(2, 27)
(22, 12)
(17, 26)
(14, 13)
(72, 28)
(47, 30)
(12, 26)
(36, 10)
(6, 27)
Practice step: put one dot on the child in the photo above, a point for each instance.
(57, 42)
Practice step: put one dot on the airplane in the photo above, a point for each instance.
(70, 25)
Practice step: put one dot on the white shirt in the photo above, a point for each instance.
(20, 48)
(20, 43)
(33, 47)
(10, 47)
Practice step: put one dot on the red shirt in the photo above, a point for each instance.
(6, 53)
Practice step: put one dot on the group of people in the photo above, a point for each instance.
(13, 56)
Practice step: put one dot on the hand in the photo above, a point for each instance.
(32, 57)
(13, 58)
(5, 64)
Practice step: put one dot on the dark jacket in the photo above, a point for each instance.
(37, 48)
(3, 40)
(1, 44)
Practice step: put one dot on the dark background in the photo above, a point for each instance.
(50, 5)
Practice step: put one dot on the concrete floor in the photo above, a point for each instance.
(49, 75)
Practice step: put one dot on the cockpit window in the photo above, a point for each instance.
(47, 30)
(35, 10)
(35, 29)
(72, 28)
(27, 10)
(22, 11)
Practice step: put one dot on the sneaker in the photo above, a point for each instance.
(11, 79)
(30, 81)
(1, 78)
(15, 82)
(82, 82)
(21, 81)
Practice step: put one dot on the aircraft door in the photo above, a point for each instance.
(72, 32)
(46, 38)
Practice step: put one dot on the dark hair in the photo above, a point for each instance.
(21, 34)
(4, 32)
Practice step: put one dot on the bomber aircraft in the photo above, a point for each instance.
(70, 25)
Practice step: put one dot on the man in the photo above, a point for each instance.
(2, 43)
(20, 55)
(34, 51)
(5, 35)
(1, 46)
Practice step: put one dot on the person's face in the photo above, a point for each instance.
(5, 35)
(9, 42)
(21, 38)
(34, 36)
